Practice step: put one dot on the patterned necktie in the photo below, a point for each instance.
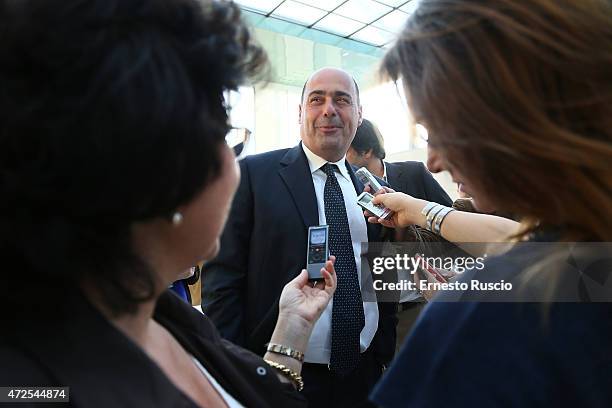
(347, 312)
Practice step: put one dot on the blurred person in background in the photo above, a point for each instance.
(410, 177)
(517, 98)
(368, 149)
(115, 178)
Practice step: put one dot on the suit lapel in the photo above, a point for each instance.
(393, 174)
(358, 184)
(296, 175)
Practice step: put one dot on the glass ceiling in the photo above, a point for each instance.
(373, 22)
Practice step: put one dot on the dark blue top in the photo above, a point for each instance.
(486, 354)
(181, 289)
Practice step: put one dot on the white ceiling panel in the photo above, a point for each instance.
(365, 11)
(263, 6)
(374, 22)
(336, 24)
(373, 36)
(410, 7)
(392, 3)
(327, 5)
(392, 22)
(298, 12)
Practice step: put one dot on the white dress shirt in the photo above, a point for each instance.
(319, 346)
(384, 171)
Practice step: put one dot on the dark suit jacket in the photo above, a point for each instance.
(413, 178)
(409, 177)
(103, 368)
(263, 247)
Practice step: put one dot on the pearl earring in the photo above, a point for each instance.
(177, 219)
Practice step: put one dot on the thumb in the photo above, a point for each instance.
(379, 199)
(301, 280)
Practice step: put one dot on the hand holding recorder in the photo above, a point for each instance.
(405, 209)
(300, 299)
(428, 274)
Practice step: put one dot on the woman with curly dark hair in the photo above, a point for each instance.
(115, 178)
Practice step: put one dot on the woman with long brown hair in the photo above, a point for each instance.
(517, 99)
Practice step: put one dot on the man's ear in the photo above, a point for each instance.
(368, 154)
(360, 113)
(300, 113)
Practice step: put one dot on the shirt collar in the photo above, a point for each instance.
(384, 170)
(315, 162)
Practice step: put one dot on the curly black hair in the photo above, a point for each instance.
(111, 113)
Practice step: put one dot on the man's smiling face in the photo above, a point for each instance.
(330, 113)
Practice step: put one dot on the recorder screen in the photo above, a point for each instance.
(317, 237)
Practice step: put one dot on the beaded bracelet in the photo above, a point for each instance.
(294, 377)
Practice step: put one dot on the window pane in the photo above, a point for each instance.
(338, 25)
(298, 12)
(392, 22)
(365, 11)
(263, 6)
(328, 5)
(392, 3)
(410, 7)
(373, 35)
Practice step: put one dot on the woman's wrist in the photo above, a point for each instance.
(292, 331)
(415, 208)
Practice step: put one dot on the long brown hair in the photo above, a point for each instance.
(518, 94)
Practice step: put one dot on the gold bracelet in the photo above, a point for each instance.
(294, 377)
(285, 351)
